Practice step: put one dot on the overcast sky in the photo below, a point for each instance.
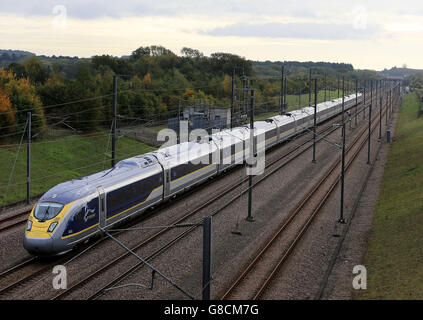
(372, 34)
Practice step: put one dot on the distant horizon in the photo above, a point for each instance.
(178, 53)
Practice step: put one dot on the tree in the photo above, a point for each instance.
(7, 115)
(157, 51)
(191, 53)
(227, 84)
(35, 71)
(147, 80)
(140, 52)
(5, 57)
(17, 69)
(23, 97)
(83, 115)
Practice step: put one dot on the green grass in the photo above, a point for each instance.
(394, 258)
(58, 159)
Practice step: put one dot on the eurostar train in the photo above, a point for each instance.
(74, 211)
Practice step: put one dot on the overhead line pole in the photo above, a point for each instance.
(282, 93)
(206, 258)
(232, 99)
(178, 134)
(364, 100)
(325, 85)
(380, 110)
(387, 109)
(252, 154)
(315, 121)
(343, 99)
(286, 92)
(28, 161)
(356, 101)
(338, 85)
(114, 120)
(309, 89)
(370, 120)
(341, 217)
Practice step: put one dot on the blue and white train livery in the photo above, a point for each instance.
(72, 212)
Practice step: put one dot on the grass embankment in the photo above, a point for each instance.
(58, 159)
(394, 258)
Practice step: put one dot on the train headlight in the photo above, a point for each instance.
(29, 225)
(52, 226)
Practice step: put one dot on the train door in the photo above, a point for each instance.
(166, 179)
(278, 132)
(101, 207)
(218, 158)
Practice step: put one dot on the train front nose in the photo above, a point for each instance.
(38, 246)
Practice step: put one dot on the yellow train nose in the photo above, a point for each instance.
(38, 229)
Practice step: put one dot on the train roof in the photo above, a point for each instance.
(74, 189)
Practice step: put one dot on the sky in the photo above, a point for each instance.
(372, 34)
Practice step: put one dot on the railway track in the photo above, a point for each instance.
(15, 220)
(23, 274)
(47, 268)
(259, 274)
(274, 165)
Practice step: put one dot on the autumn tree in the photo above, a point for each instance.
(7, 115)
(22, 97)
(35, 71)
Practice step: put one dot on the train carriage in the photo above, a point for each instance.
(73, 211)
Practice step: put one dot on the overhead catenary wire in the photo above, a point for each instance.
(16, 158)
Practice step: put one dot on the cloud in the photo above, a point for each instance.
(92, 9)
(85, 9)
(319, 31)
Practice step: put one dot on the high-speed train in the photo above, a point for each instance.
(74, 211)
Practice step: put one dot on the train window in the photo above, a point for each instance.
(121, 197)
(128, 193)
(47, 210)
(113, 201)
(102, 205)
(79, 217)
(137, 190)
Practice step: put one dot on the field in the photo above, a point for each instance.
(394, 258)
(55, 159)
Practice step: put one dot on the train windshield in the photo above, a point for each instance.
(47, 210)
